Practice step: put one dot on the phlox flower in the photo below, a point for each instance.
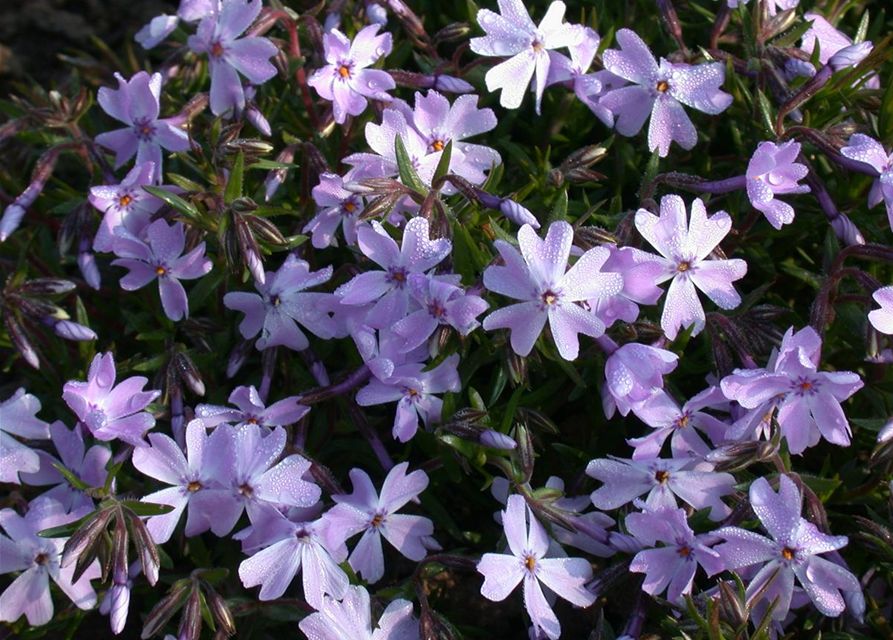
(160, 27)
(773, 6)
(337, 207)
(18, 416)
(869, 151)
(640, 271)
(351, 619)
(882, 319)
(660, 90)
(526, 561)
(538, 276)
(685, 245)
(772, 171)
(250, 409)
(632, 374)
(831, 42)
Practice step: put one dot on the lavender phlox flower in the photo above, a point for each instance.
(283, 304)
(161, 258)
(346, 80)
(160, 27)
(136, 103)
(375, 516)
(685, 245)
(772, 171)
(882, 319)
(337, 206)
(116, 602)
(791, 552)
(193, 477)
(640, 271)
(831, 42)
(538, 276)
(773, 6)
(18, 416)
(111, 412)
(663, 480)
(88, 465)
(413, 389)
(282, 546)
(229, 55)
(253, 113)
(632, 374)
(351, 619)
(512, 34)
(39, 560)
(808, 400)
(660, 90)
(592, 527)
(528, 544)
(681, 424)
(869, 151)
(671, 566)
(250, 409)
(441, 303)
(390, 288)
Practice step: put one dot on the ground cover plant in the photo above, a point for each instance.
(385, 320)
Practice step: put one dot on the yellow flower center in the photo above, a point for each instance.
(787, 553)
(217, 50)
(125, 200)
(160, 271)
(662, 86)
(438, 145)
(350, 207)
(662, 477)
(344, 72)
(683, 267)
(530, 563)
(194, 486)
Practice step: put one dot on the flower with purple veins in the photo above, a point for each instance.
(18, 416)
(772, 171)
(375, 516)
(39, 560)
(869, 151)
(663, 480)
(791, 552)
(228, 55)
(672, 566)
(337, 206)
(538, 276)
(413, 389)
(351, 619)
(389, 289)
(528, 545)
(194, 479)
(882, 319)
(136, 103)
(252, 410)
(640, 271)
(281, 546)
(161, 258)
(632, 374)
(512, 34)
(283, 304)
(685, 245)
(660, 90)
(346, 80)
(442, 303)
(111, 412)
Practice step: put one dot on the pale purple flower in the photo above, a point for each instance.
(667, 418)
(640, 271)
(116, 602)
(88, 465)
(672, 566)
(663, 480)
(375, 516)
(528, 544)
(685, 245)
(882, 319)
(282, 304)
(538, 276)
(773, 6)
(252, 410)
(514, 35)
(869, 151)
(660, 90)
(632, 374)
(346, 80)
(351, 619)
(389, 288)
(281, 546)
(413, 389)
(194, 479)
(337, 207)
(808, 400)
(136, 103)
(228, 55)
(156, 30)
(39, 560)
(161, 257)
(18, 416)
(793, 551)
(442, 303)
(831, 42)
(773, 171)
(111, 412)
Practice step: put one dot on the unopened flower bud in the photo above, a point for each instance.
(449, 84)
(150, 560)
(376, 13)
(191, 622)
(119, 607)
(238, 356)
(248, 146)
(219, 610)
(624, 543)
(190, 374)
(165, 609)
(276, 177)
(454, 31)
(265, 230)
(496, 440)
(524, 452)
(584, 176)
(89, 269)
(257, 120)
(797, 68)
(847, 231)
(850, 56)
(197, 104)
(432, 626)
(518, 214)
(73, 331)
(731, 607)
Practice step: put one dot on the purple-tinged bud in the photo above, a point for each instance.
(584, 176)
(238, 356)
(886, 432)
(89, 269)
(257, 119)
(46, 287)
(119, 607)
(449, 84)
(196, 105)
(248, 146)
(73, 331)
(165, 609)
(376, 13)
(454, 31)
(332, 21)
(12, 218)
(491, 438)
(847, 231)
(731, 607)
(265, 230)
(120, 568)
(191, 622)
(21, 340)
(624, 543)
(159, 28)
(797, 68)
(525, 453)
(518, 214)
(190, 374)
(150, 560)
(13, 127)
(432, 626)
(219, 610)
(778, 23)
(380, 206)
(850, 56)
(84, 537)
(276, 177)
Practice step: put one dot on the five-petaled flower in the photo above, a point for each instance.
(772, 171)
